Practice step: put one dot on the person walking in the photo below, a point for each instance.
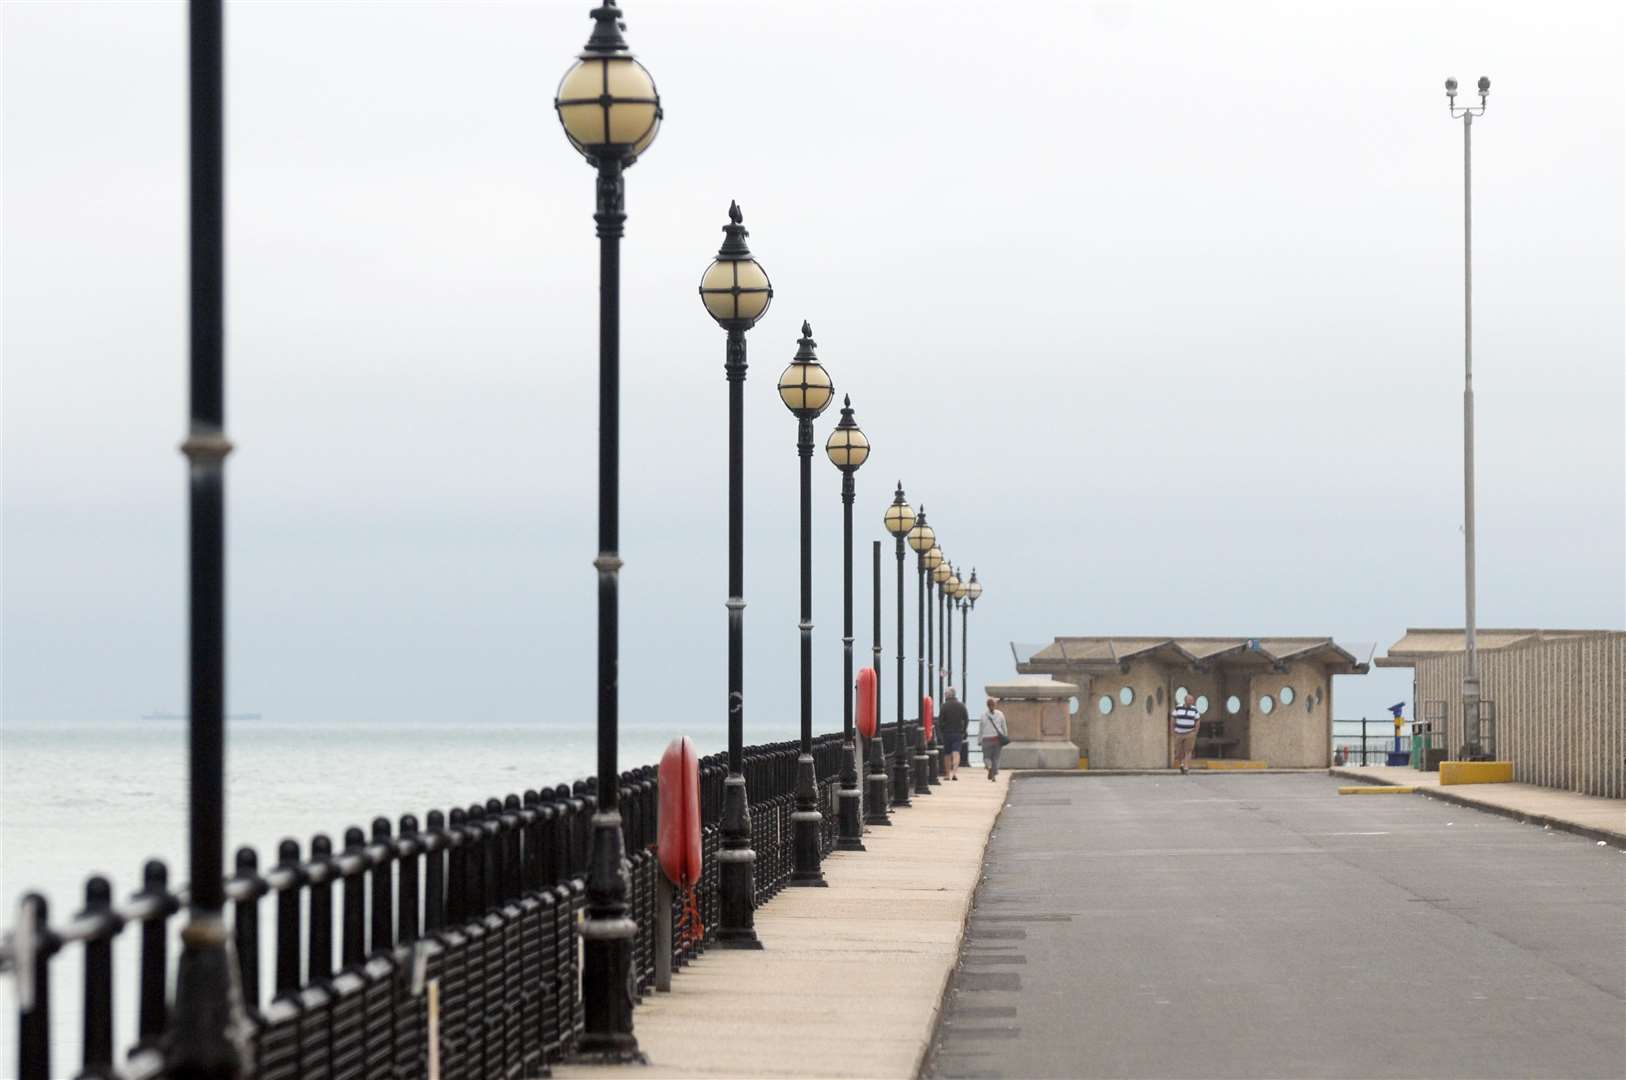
(1183, 725)
(993, 733)
(952, 725)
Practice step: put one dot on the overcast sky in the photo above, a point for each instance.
(1156, 306)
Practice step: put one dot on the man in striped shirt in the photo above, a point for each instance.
(1183, 722)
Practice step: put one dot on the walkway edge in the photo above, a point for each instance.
(1608, 836)
(936, 1025)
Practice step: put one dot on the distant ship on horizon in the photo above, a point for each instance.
(183, 716)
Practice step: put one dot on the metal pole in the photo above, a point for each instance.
(875, 812)
(736, 859)
(609, 930)
(965, 653)
(922, 778)
(948, 645)
(850, 817)
(1470, 678)
(934, 677)
(207, 1011)
(806, 819)
(902, 767)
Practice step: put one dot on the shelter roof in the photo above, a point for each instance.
(1420, 644)
(1107, 653)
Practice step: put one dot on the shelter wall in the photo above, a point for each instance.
(1133, 736)
(1560, 709)
(1297, 735)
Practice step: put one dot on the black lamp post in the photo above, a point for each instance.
(934, 669)
(611, 111)
(848, 448)
(921, 538)
(736, 292)
(875, 812)
(951, 596)
(805, 389)
(201, 1041)
(973, 589)
(939, 577)
(900, 520)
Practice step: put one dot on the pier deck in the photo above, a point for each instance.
(852, 975)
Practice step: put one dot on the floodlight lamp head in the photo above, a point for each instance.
(1484, 85)
(1451, 88)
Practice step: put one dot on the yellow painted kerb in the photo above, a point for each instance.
(1378, 789)
(1476, 772)
(1227, 764)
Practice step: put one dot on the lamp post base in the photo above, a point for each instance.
(923, 784)
(806, 826)
(607, 939)
(202, 1047)
(934, 764)
(875, 783)
(902, 771)
(736, 871)
(849, 802)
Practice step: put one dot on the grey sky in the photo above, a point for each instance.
(1156, 307)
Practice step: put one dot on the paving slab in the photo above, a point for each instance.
(851, 977)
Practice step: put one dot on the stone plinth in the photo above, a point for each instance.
(1036, 713)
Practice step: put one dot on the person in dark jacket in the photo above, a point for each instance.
(953, 722)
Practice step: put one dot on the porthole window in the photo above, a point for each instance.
(1127, 695)
(1159, 695)
(1151, 707)
(1202, 705)
(1267, 704)
(1233, 704)
(1309, 706)
(1105, 704)
(1180, 695)
(1287, 695)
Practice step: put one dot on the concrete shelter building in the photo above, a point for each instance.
(1266, 700)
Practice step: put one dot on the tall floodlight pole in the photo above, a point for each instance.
(736, 292)
(610, 111)
(900, 521)
(875, 812)
(1470, 671)
(805, 389)
(848, 448)
(207, 1010)
(921, 538)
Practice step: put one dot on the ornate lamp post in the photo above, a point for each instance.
(610, 111)
(900, 521)
(922, 538)
(951, 592)
(736, 292)
(940, 577)
(805, 389)
(848, 448)
(875, 812)
(1471, 733)
(973, 589)
(201, 1040)
(934, 671)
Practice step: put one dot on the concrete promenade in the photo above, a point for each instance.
(852, 975)
(1589, 815)
(1235, 925)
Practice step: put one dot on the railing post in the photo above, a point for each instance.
(98, 1013)
(153, 1015)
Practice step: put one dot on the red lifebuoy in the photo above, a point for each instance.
(680, 813)
(926, 715)
(867, 706)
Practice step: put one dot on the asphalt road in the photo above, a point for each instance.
(1265, 926)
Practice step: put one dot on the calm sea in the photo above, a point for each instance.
(77, 799)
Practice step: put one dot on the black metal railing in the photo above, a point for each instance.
(477, 907)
